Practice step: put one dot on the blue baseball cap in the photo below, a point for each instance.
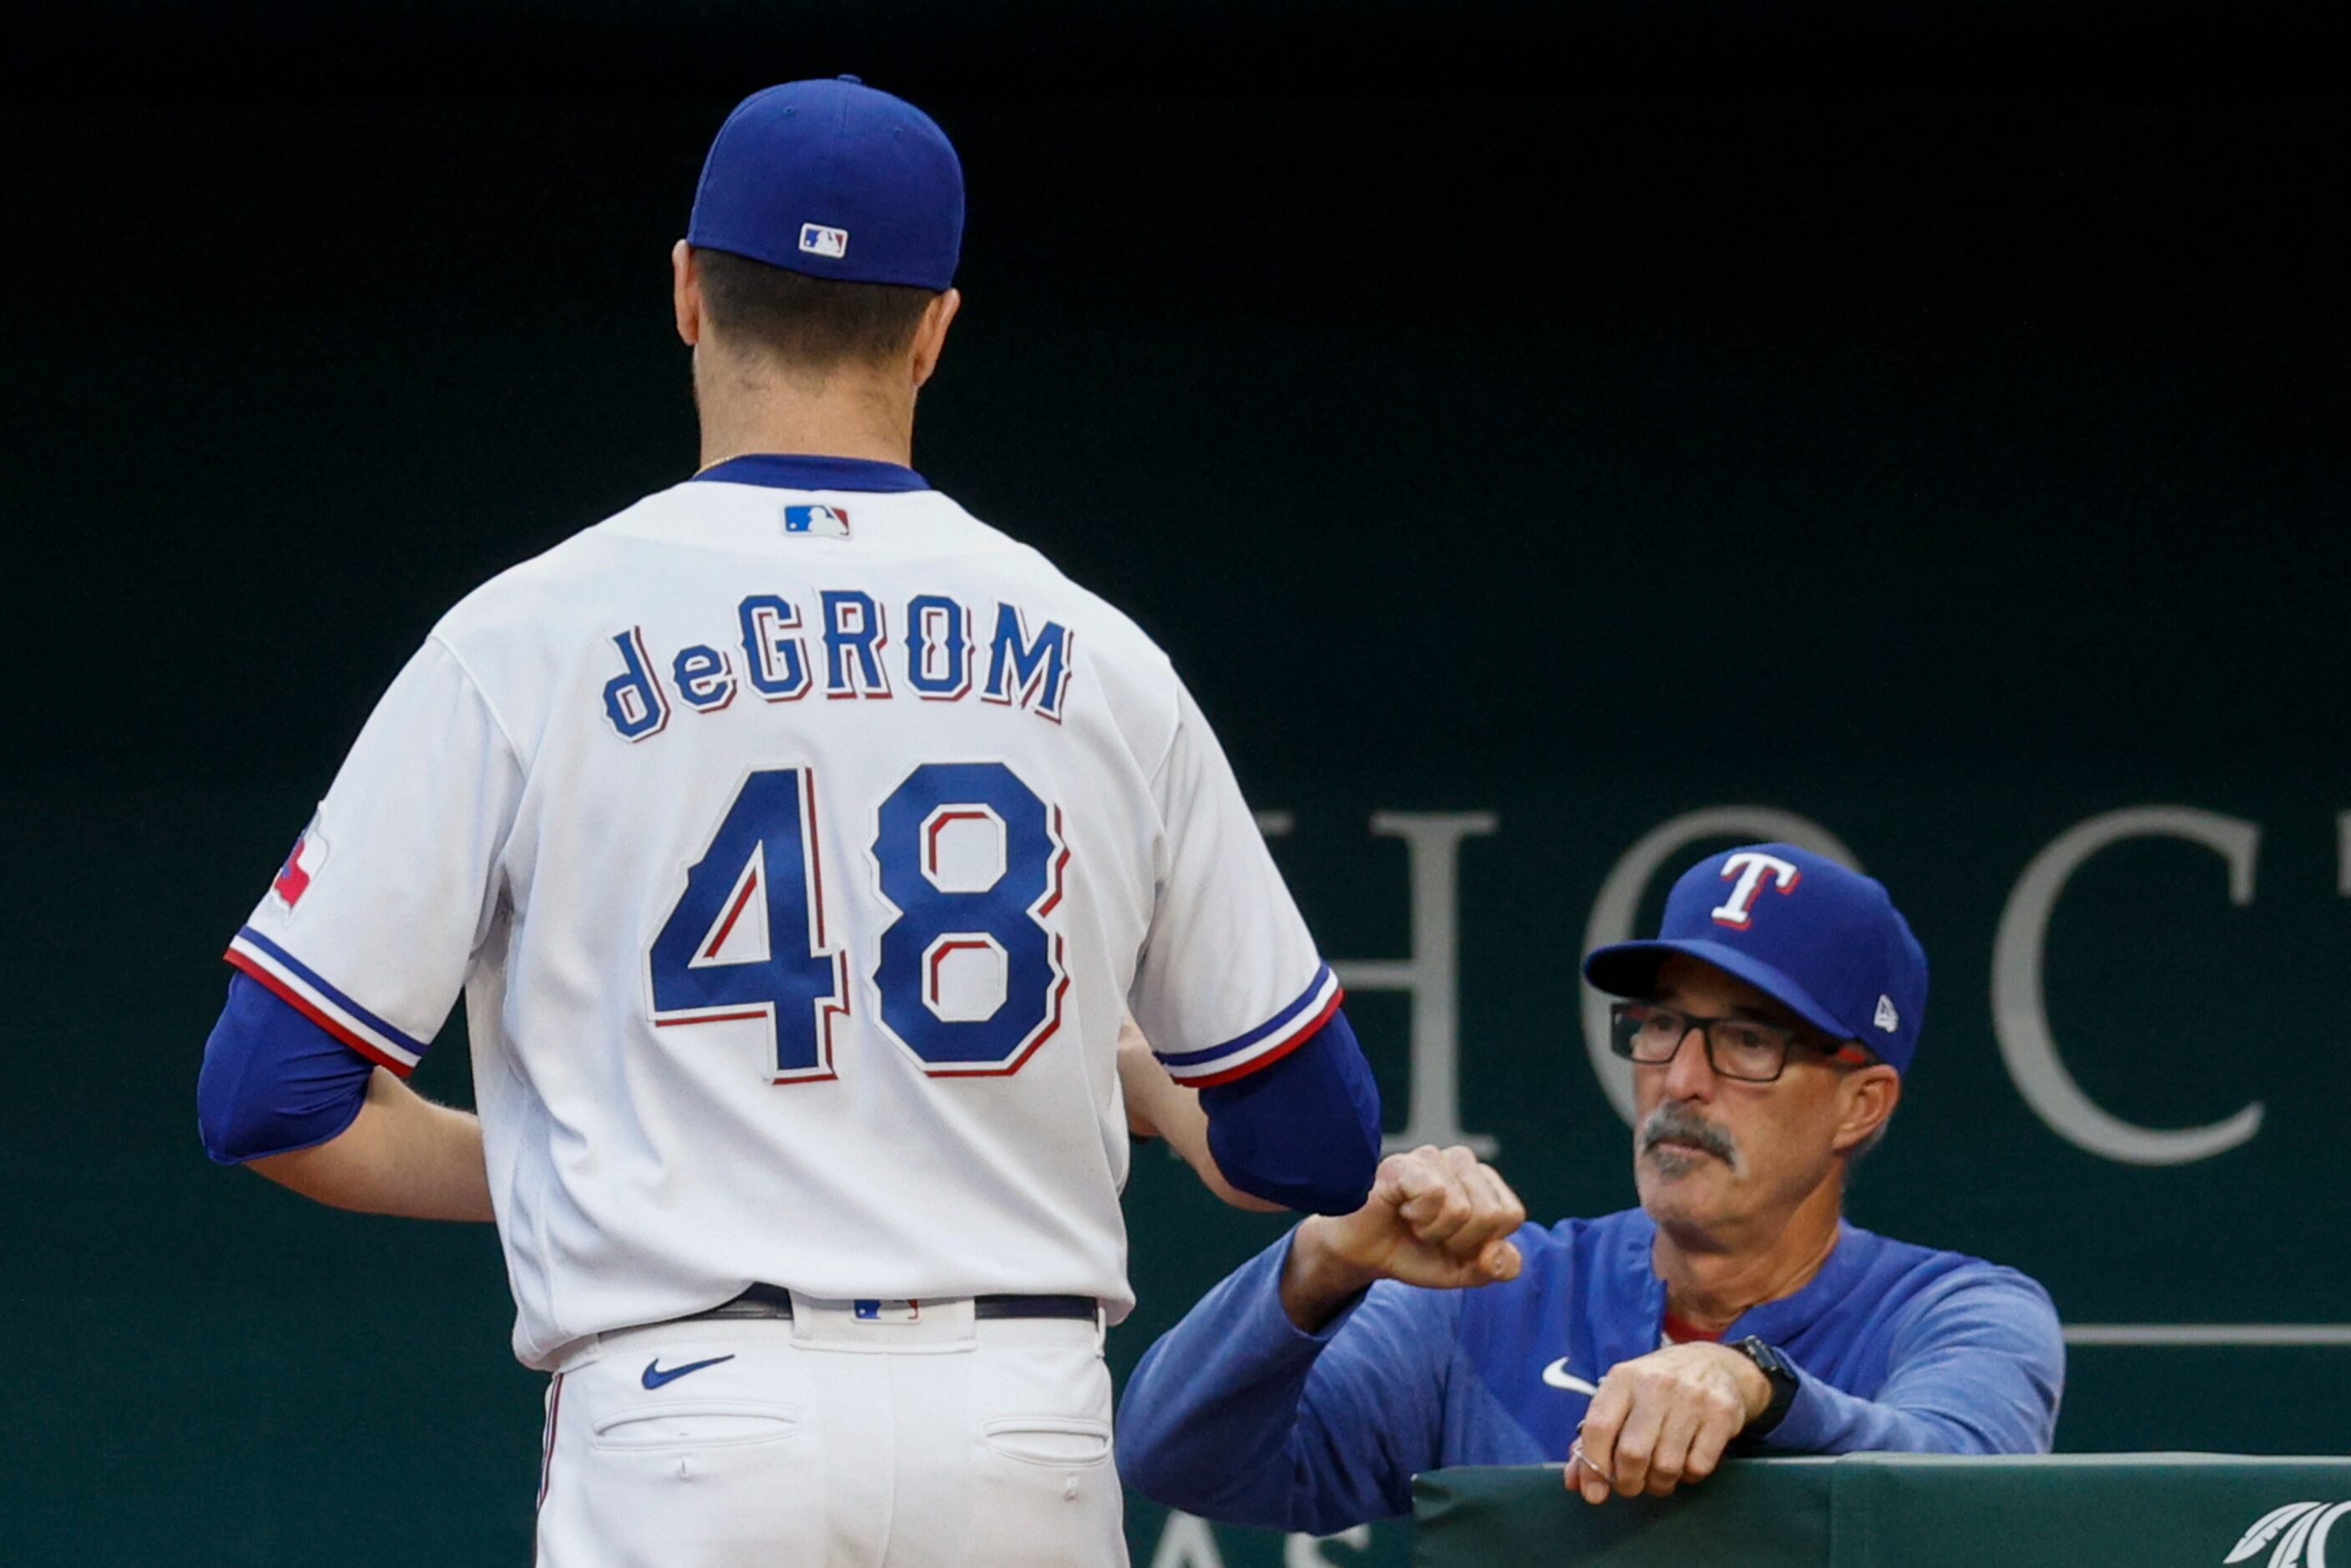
(1818, 937)
(834, 180)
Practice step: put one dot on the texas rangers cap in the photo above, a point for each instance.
(834, 180)
(1819, 937)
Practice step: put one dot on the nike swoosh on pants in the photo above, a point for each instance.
(655, 1376)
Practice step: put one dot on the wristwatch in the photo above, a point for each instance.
(1782, 1377)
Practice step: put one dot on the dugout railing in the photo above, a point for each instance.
(1877, 1510)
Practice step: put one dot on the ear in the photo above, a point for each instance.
(931, 335)
(685, 293)
(1865, 1099)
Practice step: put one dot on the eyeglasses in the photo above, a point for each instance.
(1748, 1050)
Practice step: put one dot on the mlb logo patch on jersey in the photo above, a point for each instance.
(818, 240)
(817, 522)
(887, 1311)
(302, 864)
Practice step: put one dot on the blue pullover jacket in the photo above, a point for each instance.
(1236, 1415)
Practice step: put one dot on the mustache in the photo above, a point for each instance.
(1677, 1123)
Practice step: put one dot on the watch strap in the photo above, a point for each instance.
(1776, 1371)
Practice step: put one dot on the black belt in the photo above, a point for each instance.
(775, 1301)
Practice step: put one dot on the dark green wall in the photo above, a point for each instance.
(1948, 471)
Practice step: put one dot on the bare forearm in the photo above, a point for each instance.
(1157, 1105)
(403, 1155)
(1181, 1122)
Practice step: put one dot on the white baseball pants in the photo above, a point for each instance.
(824, 1441)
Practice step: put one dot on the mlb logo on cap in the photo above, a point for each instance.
(874, 165)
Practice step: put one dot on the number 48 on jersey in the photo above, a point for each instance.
(969, 975)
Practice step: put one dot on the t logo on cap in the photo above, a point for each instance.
(1841, 958)
(1750, 867)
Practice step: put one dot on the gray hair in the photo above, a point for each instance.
(1854, 1156)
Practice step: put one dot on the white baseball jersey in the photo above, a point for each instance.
(797, 849)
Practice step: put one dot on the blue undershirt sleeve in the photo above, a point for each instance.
(1238, 1414)
(1303, 1132)
(1977, 1370)
(273, 1081)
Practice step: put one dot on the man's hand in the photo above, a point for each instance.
(1665, 1418)
(1436, 1218)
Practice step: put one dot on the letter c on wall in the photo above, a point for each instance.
(2020, 1012)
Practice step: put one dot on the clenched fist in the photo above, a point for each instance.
(1436, 1218)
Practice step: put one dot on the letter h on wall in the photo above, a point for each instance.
(1431, 976)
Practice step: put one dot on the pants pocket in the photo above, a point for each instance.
(1060, 1441)
(698, 1423)
(1046, 1489)
(707, 1484)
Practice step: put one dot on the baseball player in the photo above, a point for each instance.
(1768, 1025)
(799, 843)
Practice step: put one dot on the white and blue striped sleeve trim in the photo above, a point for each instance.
(1264, 1045)
(302, 988)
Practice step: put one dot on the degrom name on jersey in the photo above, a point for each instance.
(793, 836)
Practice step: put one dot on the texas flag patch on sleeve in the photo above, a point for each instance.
(303, 863)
